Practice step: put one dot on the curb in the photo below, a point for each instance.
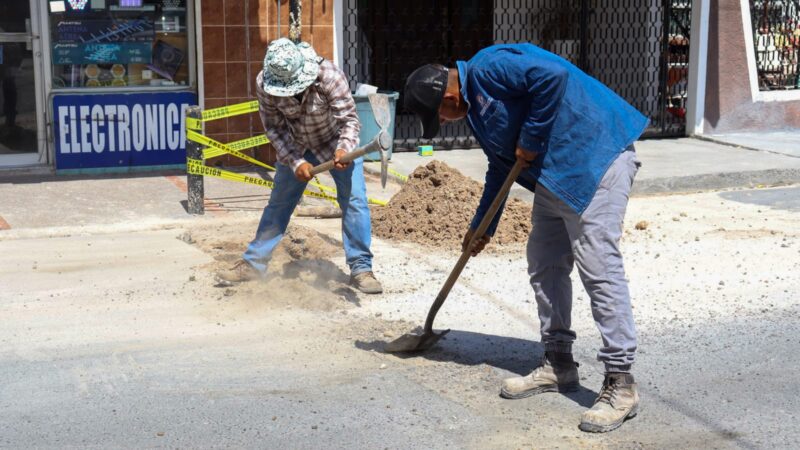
(714, 140)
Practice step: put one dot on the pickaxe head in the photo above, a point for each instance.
(385, 142)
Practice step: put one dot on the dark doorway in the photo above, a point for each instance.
(641, 51)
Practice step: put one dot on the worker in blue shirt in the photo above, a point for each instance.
(575, 137)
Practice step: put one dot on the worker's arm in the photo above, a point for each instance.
(511, 74)
(495, 177)
(343, 109)
(289, 153)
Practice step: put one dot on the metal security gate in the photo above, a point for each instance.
(641, 51)
(776, 36)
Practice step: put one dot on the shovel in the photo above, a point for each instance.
(381, 142)
(420, 342)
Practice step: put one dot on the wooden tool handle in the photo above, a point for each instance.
(318, 211)
(482, 227)
(375, 145)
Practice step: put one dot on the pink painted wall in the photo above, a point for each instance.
(729, 106)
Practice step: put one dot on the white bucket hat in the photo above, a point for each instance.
(289, 68)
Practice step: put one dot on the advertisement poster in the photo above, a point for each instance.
(121, 130)
(107, 30)
(166, 60)
(103, 53)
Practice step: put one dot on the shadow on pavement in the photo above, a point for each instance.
(518, 356)
(231, 204)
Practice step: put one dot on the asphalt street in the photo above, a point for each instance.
(118, 338)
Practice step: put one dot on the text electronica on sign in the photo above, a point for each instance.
(119, 130)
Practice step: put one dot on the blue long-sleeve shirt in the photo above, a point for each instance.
(522, 96)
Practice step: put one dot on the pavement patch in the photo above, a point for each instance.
(179, 182)
(784, 198)
(715, 181)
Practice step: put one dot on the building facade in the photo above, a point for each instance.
(753, 71)
(101, 85)
(96, 84)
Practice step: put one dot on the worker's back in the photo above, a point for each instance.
(522, 95)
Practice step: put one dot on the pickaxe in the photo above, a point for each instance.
(381, 143)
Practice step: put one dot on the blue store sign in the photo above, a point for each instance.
(120, 130)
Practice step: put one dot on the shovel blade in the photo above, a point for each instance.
(411, 342)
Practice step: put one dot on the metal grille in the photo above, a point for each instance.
(776, 36)
(641, 52)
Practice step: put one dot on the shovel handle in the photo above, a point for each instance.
(377, 144)
(462, 261)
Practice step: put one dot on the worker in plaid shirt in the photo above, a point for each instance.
(310, 117)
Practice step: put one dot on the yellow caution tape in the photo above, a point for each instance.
(250, 142)
(196, 167)
(243, 144)
(217, 148)
(208, 142)
(194, 124)
(230, 110)
(224, 148)
(399, 175)
(396, 174)
(375, 201)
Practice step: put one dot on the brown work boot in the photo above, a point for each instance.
(240, 272)
(618, 401)
(561, 377)
(366, 283)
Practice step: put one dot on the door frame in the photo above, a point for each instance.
(33, 36)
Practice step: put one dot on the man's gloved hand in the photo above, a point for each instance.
(478, 246)
(303, 172)
(340, 165)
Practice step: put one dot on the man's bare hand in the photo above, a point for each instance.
(337, 156)
(525, 155)
(478, 245)
(303, 172)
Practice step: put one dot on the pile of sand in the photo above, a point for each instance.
(301, 274)
(435, 207)
(226, 244)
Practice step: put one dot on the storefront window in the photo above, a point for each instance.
(119, 43)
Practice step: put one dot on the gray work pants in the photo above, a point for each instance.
(560, 239)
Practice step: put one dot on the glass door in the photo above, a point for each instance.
(19, 88)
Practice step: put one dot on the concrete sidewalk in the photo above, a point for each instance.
(779, 142)
(668, 166)
(58, 205)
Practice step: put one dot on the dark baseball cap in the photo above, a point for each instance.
(423, 95)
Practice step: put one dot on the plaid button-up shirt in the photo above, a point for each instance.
(323, 122)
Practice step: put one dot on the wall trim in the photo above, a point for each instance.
(698, 68)
(338, 33)
(198, 50)
(756, 94)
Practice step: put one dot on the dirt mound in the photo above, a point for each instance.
(226, 243)
(436, 205)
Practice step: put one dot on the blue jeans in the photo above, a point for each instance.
(351, 192)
